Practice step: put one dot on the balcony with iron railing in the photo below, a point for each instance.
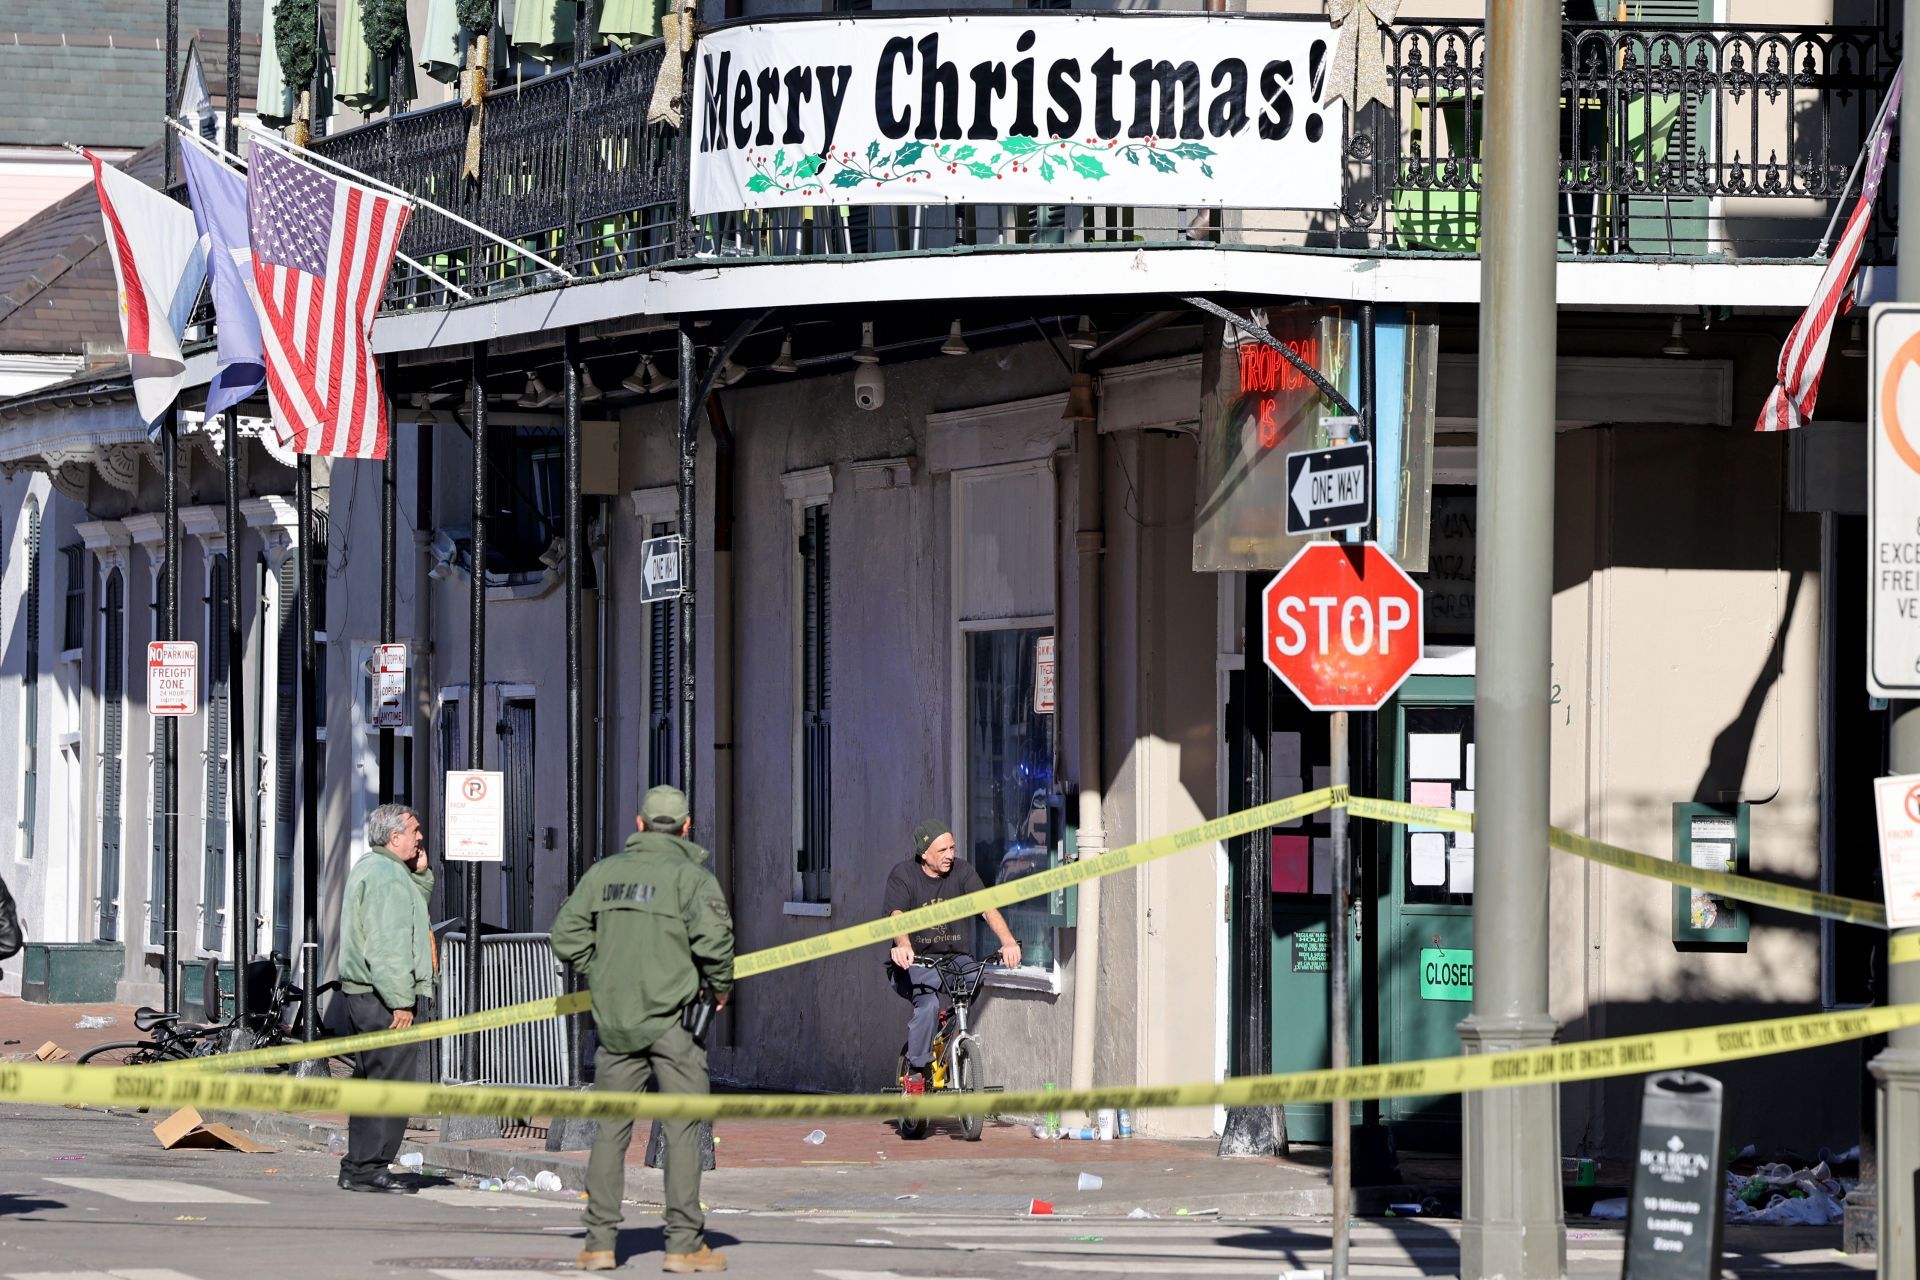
(1688, 142)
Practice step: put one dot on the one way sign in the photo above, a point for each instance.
(1330, 489)
(660, 569)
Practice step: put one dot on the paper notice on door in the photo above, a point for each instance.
(1460, 865)
(1463, 800)
(1427, 858)
(1289, 870)
(1283, 772)
(1433, 755)
(1429, 795)
(1470, 782)
(1322, 864)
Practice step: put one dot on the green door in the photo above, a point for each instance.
(1426, 930)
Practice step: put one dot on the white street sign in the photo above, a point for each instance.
(1893, 503)
(660, 569)
(173, 678)
(1898, 802)
(476, 816)
(1045, 685)
(389, 709)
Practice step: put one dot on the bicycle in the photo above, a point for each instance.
(957, 1056)
(273, 1020)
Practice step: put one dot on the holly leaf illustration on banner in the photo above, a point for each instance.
(780, 161)
(1207, 169)
(979, 170)
(849, 178)
(1133, 157)
(1089, 167)
(807, 166)
(907, 154)
(963, 153)
(873, 151)
(1046, 171)
(1019, 145)
(1164, 163)
(1192, 151)
(759, 182)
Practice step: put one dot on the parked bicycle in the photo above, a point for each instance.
(274, 1018)
(957, 1057)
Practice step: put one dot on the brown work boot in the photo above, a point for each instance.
(686, 1264)
(596, 1260)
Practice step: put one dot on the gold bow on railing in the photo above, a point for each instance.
(1359, 70)
(473, 96)
(676, 31)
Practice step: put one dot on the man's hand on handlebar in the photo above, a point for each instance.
(401, 1018)
(1010, 955)
(902, 955)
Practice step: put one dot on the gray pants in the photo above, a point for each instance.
(925, 987)
(373, 1141)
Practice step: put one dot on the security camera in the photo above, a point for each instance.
(869, 387)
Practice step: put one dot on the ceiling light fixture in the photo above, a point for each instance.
(1084, 338)
(956, 343)
(589, 390)
(1856, 347)
(866, 354)
(783, 363)
(1676, 342)
(1080, 399)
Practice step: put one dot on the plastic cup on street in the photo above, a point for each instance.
(815, 1138)
(546, 1180)
(1091, 1182)
(412, 1160)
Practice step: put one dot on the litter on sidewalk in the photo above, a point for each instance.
(185, 1130)
(49, 1052)
(90, 1021)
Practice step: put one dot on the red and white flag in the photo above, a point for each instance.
(322, 248)
(159, 263)
(1797, 383)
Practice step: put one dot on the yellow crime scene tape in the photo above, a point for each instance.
(851, 938)
(1589, 1060)
(854, 937)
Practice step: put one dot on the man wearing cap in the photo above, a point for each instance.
(933, 874)
(649, 929)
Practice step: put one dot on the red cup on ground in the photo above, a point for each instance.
(1038, 1207)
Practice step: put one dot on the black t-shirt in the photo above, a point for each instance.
(910, 888)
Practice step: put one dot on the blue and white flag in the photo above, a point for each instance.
(220, 208)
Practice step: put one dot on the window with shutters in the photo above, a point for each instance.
(30, 692)
(813, 637)
(213, 893)
(663, 626)
(112, 686)
(73, 630)
(156, 793)
(280, 620)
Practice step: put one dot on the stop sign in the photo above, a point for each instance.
(1341, 625)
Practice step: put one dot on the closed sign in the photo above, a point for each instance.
(1445, 974)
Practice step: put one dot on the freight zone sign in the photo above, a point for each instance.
(1893, 503)
(476, 816)
(173, 678)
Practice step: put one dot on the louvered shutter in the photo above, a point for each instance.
(113, 685)
(213, 891)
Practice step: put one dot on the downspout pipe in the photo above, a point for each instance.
(1090, 546)
(724, 496)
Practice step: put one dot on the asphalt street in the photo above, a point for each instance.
(87, 1195)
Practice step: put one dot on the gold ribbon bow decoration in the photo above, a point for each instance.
(473, 96)
(1359, 70)
(676, 31)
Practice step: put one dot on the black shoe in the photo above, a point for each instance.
(381, 1181)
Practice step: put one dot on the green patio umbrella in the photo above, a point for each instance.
(543, 29)
(443, 44)
(364, 80)
(627, 23)
(276, 97)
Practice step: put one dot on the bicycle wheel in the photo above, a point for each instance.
(911, 1129)
(121, 1053)
(967, 1079)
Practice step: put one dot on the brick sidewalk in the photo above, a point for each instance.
(25, 1027)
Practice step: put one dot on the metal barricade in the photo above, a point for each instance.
(514, 968)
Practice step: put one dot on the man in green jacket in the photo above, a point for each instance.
(386, 974)
(649, 929)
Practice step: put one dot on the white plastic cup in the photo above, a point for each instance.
(412, 1160)
(1108, 1124)
(1091, 1182)
(816, 1138)
(546, 1180)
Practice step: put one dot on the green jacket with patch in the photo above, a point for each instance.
(647, 928)
(386, 944)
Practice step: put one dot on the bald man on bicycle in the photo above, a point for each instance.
(933, 874)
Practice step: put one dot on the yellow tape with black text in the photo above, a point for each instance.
(875, 932)
(1589, 1060)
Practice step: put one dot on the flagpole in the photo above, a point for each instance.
(281, 144)
(234, 160)
(170, 609)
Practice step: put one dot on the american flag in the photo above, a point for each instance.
(1797, 384)
(322, 247)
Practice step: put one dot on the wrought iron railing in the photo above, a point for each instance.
(570, 169)
(1683, 141)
